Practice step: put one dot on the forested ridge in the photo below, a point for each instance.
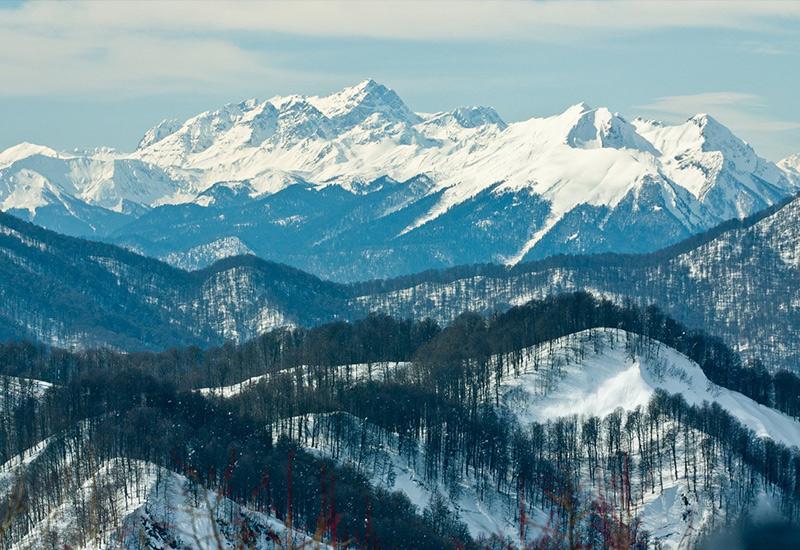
(588, 476)
(737, 281)
(73, 292)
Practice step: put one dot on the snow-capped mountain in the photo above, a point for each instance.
(357, 175)
(79, 193)
(791, 166)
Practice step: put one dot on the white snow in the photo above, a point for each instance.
(353, 373)
(206, 254)
(153, 507)
(374, 452)
(25, 150)
(233, 389)
(583, 155)
(17, 387)
(791, 167)
(604, 377)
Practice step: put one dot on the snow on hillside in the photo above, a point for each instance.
(232, 389)
(738, 285)
(24, 150)
(352, 373)
(717, 167)
(595, 373)
(204, 255)
(375, 453)
(592, 373)
(791, 166)
(14, 389)
(29, 173)
(154, 508)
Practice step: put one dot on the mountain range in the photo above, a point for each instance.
(356, 185)
(738, 281)
(331, 321)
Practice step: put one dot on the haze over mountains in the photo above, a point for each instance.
(356, 185)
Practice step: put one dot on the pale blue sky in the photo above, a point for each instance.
(88, 74)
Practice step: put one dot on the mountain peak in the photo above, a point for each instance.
(717, 136)
(368, 84)
(704, 119)
(590, 128)
(24, 150)
(791, 167)
(351, 106)
(159, 132)
(471, 116)
(578, 108)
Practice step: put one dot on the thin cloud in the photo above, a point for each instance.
(126, 47)
(770, 49)
(737, 109)
(741, 112)
(127, 64)
(395, 19)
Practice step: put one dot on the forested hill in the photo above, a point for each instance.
(738, 281)
(400, 434)
(73, 292)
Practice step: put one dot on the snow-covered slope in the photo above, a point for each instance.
(392, 465)
(100, 179)
(367, 131)
(585, 180)
(14, 390)
(594, 372)
(353, 374)
(140, 505)
(597, 373)
(206, 254)
(738, 283)
(791, 166)
(717, 167)
(129, 302)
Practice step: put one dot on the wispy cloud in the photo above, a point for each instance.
(770, 48)
(741, 111)
(133, 47)
(403, 19)
(124, 64)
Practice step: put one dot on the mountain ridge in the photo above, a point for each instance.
(583, 181)
(736, 281)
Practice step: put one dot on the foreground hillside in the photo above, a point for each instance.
(133, 504)
(396, 434)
